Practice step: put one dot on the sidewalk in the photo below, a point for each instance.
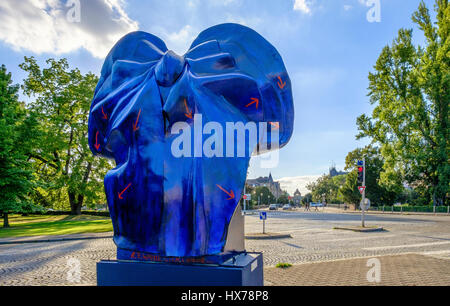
(399, 270)
(56, 238)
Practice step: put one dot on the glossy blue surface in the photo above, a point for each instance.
(182, 206)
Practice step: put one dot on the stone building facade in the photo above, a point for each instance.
(268, 182)
(297, 197)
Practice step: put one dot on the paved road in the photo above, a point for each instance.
(394, 270)
(313, 241)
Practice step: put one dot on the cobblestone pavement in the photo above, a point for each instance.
(395, 270)
(313, 241)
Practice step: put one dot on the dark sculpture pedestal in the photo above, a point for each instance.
(242, 270)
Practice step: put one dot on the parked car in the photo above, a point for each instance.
(287, 207)
(273, 207)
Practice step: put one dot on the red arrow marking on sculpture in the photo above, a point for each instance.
(105, 116)
(254, 101)
(231, 193)
(281, 84)
(97, 145)
(188, 111)
(123, 191)
(275, 124)
(135, 127)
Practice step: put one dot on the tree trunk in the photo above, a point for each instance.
(5, 220)
(75, 203)
(434, 197)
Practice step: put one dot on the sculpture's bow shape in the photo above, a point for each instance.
(182, 206)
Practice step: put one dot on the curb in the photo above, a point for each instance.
(267, 236)
(52, 240)
(405, 213)
(361, 230)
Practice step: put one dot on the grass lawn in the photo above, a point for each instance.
(54, 225)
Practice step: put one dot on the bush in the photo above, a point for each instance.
(283, 265)
(407, 208)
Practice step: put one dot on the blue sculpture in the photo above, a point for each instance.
(181, 206)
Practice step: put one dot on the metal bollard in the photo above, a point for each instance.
(383, 209)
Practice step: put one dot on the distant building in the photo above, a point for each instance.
(268, 182)
(334, 172)
(297, 197)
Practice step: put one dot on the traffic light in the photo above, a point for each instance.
(360, 174)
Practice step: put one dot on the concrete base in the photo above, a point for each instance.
(242, 270)
(360, 229)
(267, 236)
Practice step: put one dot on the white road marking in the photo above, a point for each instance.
(436, 252)
(357, 238)
(306, 230)
(390, 247)
(371, 237)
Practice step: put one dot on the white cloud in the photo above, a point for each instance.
(290, 184)
(181, 40)
(303, 6)
(176, 40)
(42, 26)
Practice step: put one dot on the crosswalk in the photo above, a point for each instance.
(403, 246)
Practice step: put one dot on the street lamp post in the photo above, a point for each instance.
(363, 195)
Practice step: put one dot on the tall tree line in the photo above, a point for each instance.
(408, 158)
(410, 89)
(44, 154)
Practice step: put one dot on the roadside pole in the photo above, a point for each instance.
(363, 206)
(263, 217)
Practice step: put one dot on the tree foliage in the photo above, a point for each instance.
(61, 99)
(379, 192)
(410, 88)
(16, 130)
(307, 198)
(266, 198)
(349, 190)
(283, 199)
(327, 188)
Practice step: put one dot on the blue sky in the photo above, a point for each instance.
(328, 46)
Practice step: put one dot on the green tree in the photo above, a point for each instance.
(349, 190)
(266, 198)
(327, 188)
(283, 199)
(62, 158)
(378, 192)
(307, 198)
(320, 188)
(338, 183)
(410, 89)
(16, 130)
